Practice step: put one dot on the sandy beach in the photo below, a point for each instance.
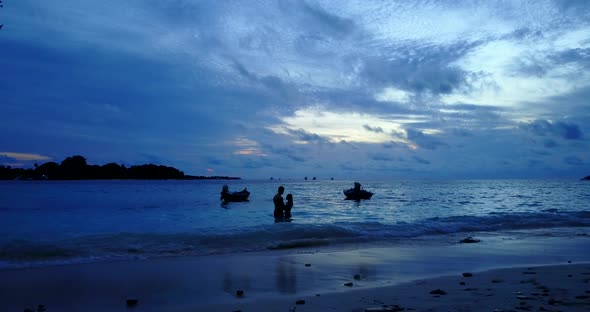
(543, 288)
(533, 274)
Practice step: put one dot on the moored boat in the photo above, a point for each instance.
(356, 193)
(239, 196)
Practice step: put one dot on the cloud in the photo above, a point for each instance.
(373, 129)
(326, 22)
(560, 129)
(382, 157)
(23, 156)
(289, 152)
(573, 161)
(421, 160)
(308, 137)
(432, 72)
(439, 84)
(21, 159)
(423, 140)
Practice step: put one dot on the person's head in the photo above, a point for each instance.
(289, 197)
(281, 190)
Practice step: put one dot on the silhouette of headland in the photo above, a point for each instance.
(76, 168)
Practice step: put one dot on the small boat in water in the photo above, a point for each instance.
(228, 196)
(356, 193)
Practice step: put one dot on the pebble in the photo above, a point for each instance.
(132, 302)
(357, 277)
(239, 293)
(469, 240)
(300, 302)
(523, 297)
(386, 308)
(349, 284)
(438, 292)
(467, 275)
(307, 264)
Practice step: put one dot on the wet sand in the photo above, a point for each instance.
(318, 279)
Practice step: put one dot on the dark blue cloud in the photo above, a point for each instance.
(431, 72)
(289, 152)
(461, 132)
(423, 140)
(573, 161)
(326, 22)
(579, 56)
(550, 143)
(563, 130)
(306, 136)
(383, 157)
(421, 160)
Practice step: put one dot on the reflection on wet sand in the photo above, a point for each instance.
(286, 277)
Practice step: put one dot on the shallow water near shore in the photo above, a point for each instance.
(65, 222)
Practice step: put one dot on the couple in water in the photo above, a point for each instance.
(282, 210)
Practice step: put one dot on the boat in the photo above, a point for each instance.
(239, 196)
(356, 193)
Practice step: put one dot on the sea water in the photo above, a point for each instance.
(61, 222)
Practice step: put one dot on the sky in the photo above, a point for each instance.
(293, 89)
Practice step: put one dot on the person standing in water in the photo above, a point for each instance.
(279, 212)
(288, 207)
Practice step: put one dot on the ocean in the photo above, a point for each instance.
(62, 222)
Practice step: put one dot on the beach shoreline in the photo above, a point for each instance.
(276, 280)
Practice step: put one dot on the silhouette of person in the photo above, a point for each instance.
(279, 212)
(288, 206)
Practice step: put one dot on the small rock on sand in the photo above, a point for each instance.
(307, 264)
(300, 302)
(467, 275)
(386, 308)
(132, 302)
(357, 277)
(469, 240)
(349, 284)
(239, 293)
(438, 292)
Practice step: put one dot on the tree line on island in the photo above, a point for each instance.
(76, 168)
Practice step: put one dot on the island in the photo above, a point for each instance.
(76, 168)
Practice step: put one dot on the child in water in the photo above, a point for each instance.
(288, 206)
